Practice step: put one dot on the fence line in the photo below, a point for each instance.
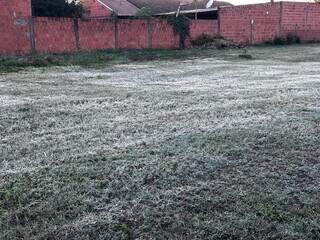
(250, 24)
(68, 35)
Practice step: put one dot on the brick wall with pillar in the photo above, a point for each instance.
(250, 24)
(15, 8)
(15, 31)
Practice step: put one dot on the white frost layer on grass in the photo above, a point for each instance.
(52, 116)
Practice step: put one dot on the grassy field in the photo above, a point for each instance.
(98, 59)
(207, 146)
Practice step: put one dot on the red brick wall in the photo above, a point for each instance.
(250, 24)
(15, 8)
(54, 35)
(163, 36)
(14, 27)
(258, 23)
(302, 19)
(244, 24)
(133, 34)
(96, 34)
(96, 9)
(199, 27)
(58, 35)
(14, 36)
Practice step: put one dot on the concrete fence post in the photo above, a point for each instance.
(76, 32)
(252, 31)
(116, 34)
(150, 32)
(32, 35)
(280, 19)
(219, 21)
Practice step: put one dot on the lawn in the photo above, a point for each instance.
(203, 146)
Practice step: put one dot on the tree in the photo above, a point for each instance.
(144, 13)
(57, 8)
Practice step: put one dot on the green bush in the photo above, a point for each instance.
(144, 13)
(291, 38)
(202, 40)
(57, 8)
(180, 25)
(279, 41)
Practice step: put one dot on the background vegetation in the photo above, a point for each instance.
(57, 8)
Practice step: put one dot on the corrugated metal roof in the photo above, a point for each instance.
(121, 7)
(131, 7)
(189, 11)
(164, 6)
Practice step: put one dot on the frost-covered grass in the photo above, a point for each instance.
(205, 148)
(96, 59)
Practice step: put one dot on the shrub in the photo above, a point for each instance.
(202, 40)
(279, 41)
(144, 13)
(180, 25)
(57, 8)
(291, 38)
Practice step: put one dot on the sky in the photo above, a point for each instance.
(239, 2)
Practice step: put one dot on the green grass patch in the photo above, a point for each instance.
(93, 59)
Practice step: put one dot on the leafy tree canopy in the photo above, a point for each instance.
(57, 8)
